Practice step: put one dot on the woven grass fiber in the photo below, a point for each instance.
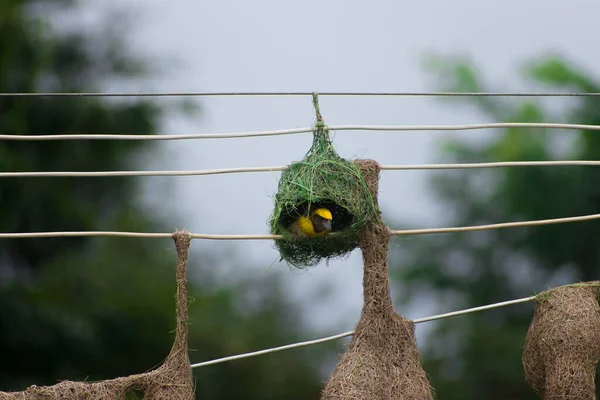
(382, 361)
(321, 179)
(171, 381)
(562, 346)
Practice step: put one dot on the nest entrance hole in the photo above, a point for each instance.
(342, 218)
(134, 394)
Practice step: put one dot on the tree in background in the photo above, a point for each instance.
(479, 356)
(96, 308)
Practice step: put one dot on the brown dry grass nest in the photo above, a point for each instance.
(171, 381)
(562, 347)
(382, 361)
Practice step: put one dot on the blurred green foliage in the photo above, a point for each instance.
(96, 308)
(479, 356)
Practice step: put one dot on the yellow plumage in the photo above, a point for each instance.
(318, 224)
(306, 227)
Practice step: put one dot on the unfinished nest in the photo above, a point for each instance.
(382, 361)
(562, 347)
(171, 381)
(321, 179)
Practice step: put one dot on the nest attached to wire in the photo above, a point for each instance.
(171, 381)
(562, 347)
(382, 361)
(321, 179)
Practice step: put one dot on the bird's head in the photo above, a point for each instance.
(321, 219)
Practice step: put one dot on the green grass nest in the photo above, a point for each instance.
(321, 179)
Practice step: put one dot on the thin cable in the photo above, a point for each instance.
(491, 165)
(282, 132)
(234, 237)
(62, 174)
(35, 235)
(272, 350)
(149, 235)
(269, 237)
(475, 309)
(110, 136)
(349, 333)
(281, 168)
(496, 226)
(214, 94)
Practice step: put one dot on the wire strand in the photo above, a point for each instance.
(270, 94)
(499, 164)
(282, 132)
(36, 235)
(350, 333)
(503, 225)
(62, 174)
(57, 174)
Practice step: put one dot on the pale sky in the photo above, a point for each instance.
(329, 46)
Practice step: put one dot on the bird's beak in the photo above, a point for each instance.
(327, 225)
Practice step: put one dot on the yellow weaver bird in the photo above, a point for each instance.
(317, 224)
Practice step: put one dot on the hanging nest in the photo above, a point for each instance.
(382, 361)
(321, 179)
(562, 346)
(171, 381)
